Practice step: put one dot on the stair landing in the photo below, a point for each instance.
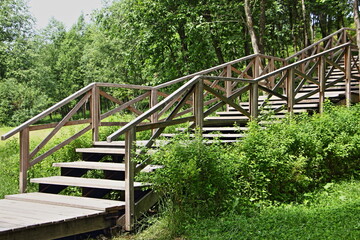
(48, 216)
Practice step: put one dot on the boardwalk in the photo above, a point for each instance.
(48, 216)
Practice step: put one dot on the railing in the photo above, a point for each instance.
(92, 96)
(198, 96)
(293, 76)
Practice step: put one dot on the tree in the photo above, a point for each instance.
(357, 23)
(250, 25)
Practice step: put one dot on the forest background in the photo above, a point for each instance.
(146, 42)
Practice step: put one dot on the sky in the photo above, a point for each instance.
(66, 11)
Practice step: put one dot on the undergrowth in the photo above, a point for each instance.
(281, 164)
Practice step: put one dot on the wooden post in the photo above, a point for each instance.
(199, 105)
(254, 99)
(290, 90)
(228, 84)
(347, 57)
(24, 158)
(95, 112)
(344, 36)
(153, 101)
(272, 78)
(130, 138)
(321, 75)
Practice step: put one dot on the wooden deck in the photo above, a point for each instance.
(36, 216)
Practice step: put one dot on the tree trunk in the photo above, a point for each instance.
(250, 25)
(357, 24)
(214, 39)
(306, 24)
(262, 25)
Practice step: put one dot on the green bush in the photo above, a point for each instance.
(299, 154)
(197, 177)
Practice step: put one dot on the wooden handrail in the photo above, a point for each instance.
(154, 109)
(301, 61)
(317, 43)
(218, 67)
(47, 111)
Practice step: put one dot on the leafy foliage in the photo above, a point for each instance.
(197, 176)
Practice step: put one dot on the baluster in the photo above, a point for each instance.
(290, 90)
(199, 105)
(95, 113)
(321, 75)
(130, 138)
(153, 101)
(24, 158)
(347, 57)
(254, 99)
(228, 84)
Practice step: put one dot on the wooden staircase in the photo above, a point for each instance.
(211, 101)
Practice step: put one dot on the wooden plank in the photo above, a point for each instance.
(234, 118)
(209, 70)
(52, 125)
(58, 229)
(24, 158)
(215, 135)
(130, 137)
(218, 129)
(139, 143)
(86, 182)
(102, 166)
(69, 201)
(41, 211)
(128, 86)
(101, 150)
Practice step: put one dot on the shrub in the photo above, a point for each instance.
(197, 177)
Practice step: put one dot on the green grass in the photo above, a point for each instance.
(333, 213)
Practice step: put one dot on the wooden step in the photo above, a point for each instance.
(109, 151)
(215, 135)
(101, 166)
(104, 144)
(235, 118)
(69, 201)
(217, 129)
(277, 105)
(236, 113)
(86, 182)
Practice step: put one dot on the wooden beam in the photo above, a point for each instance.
(199, 105)
(24, 158)
(95, 113)
(290, 90)
(322, 80)
(153, 101)
(130, 138)
(347, 57)
(254, 100)
(52, 125)
(228, 84)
